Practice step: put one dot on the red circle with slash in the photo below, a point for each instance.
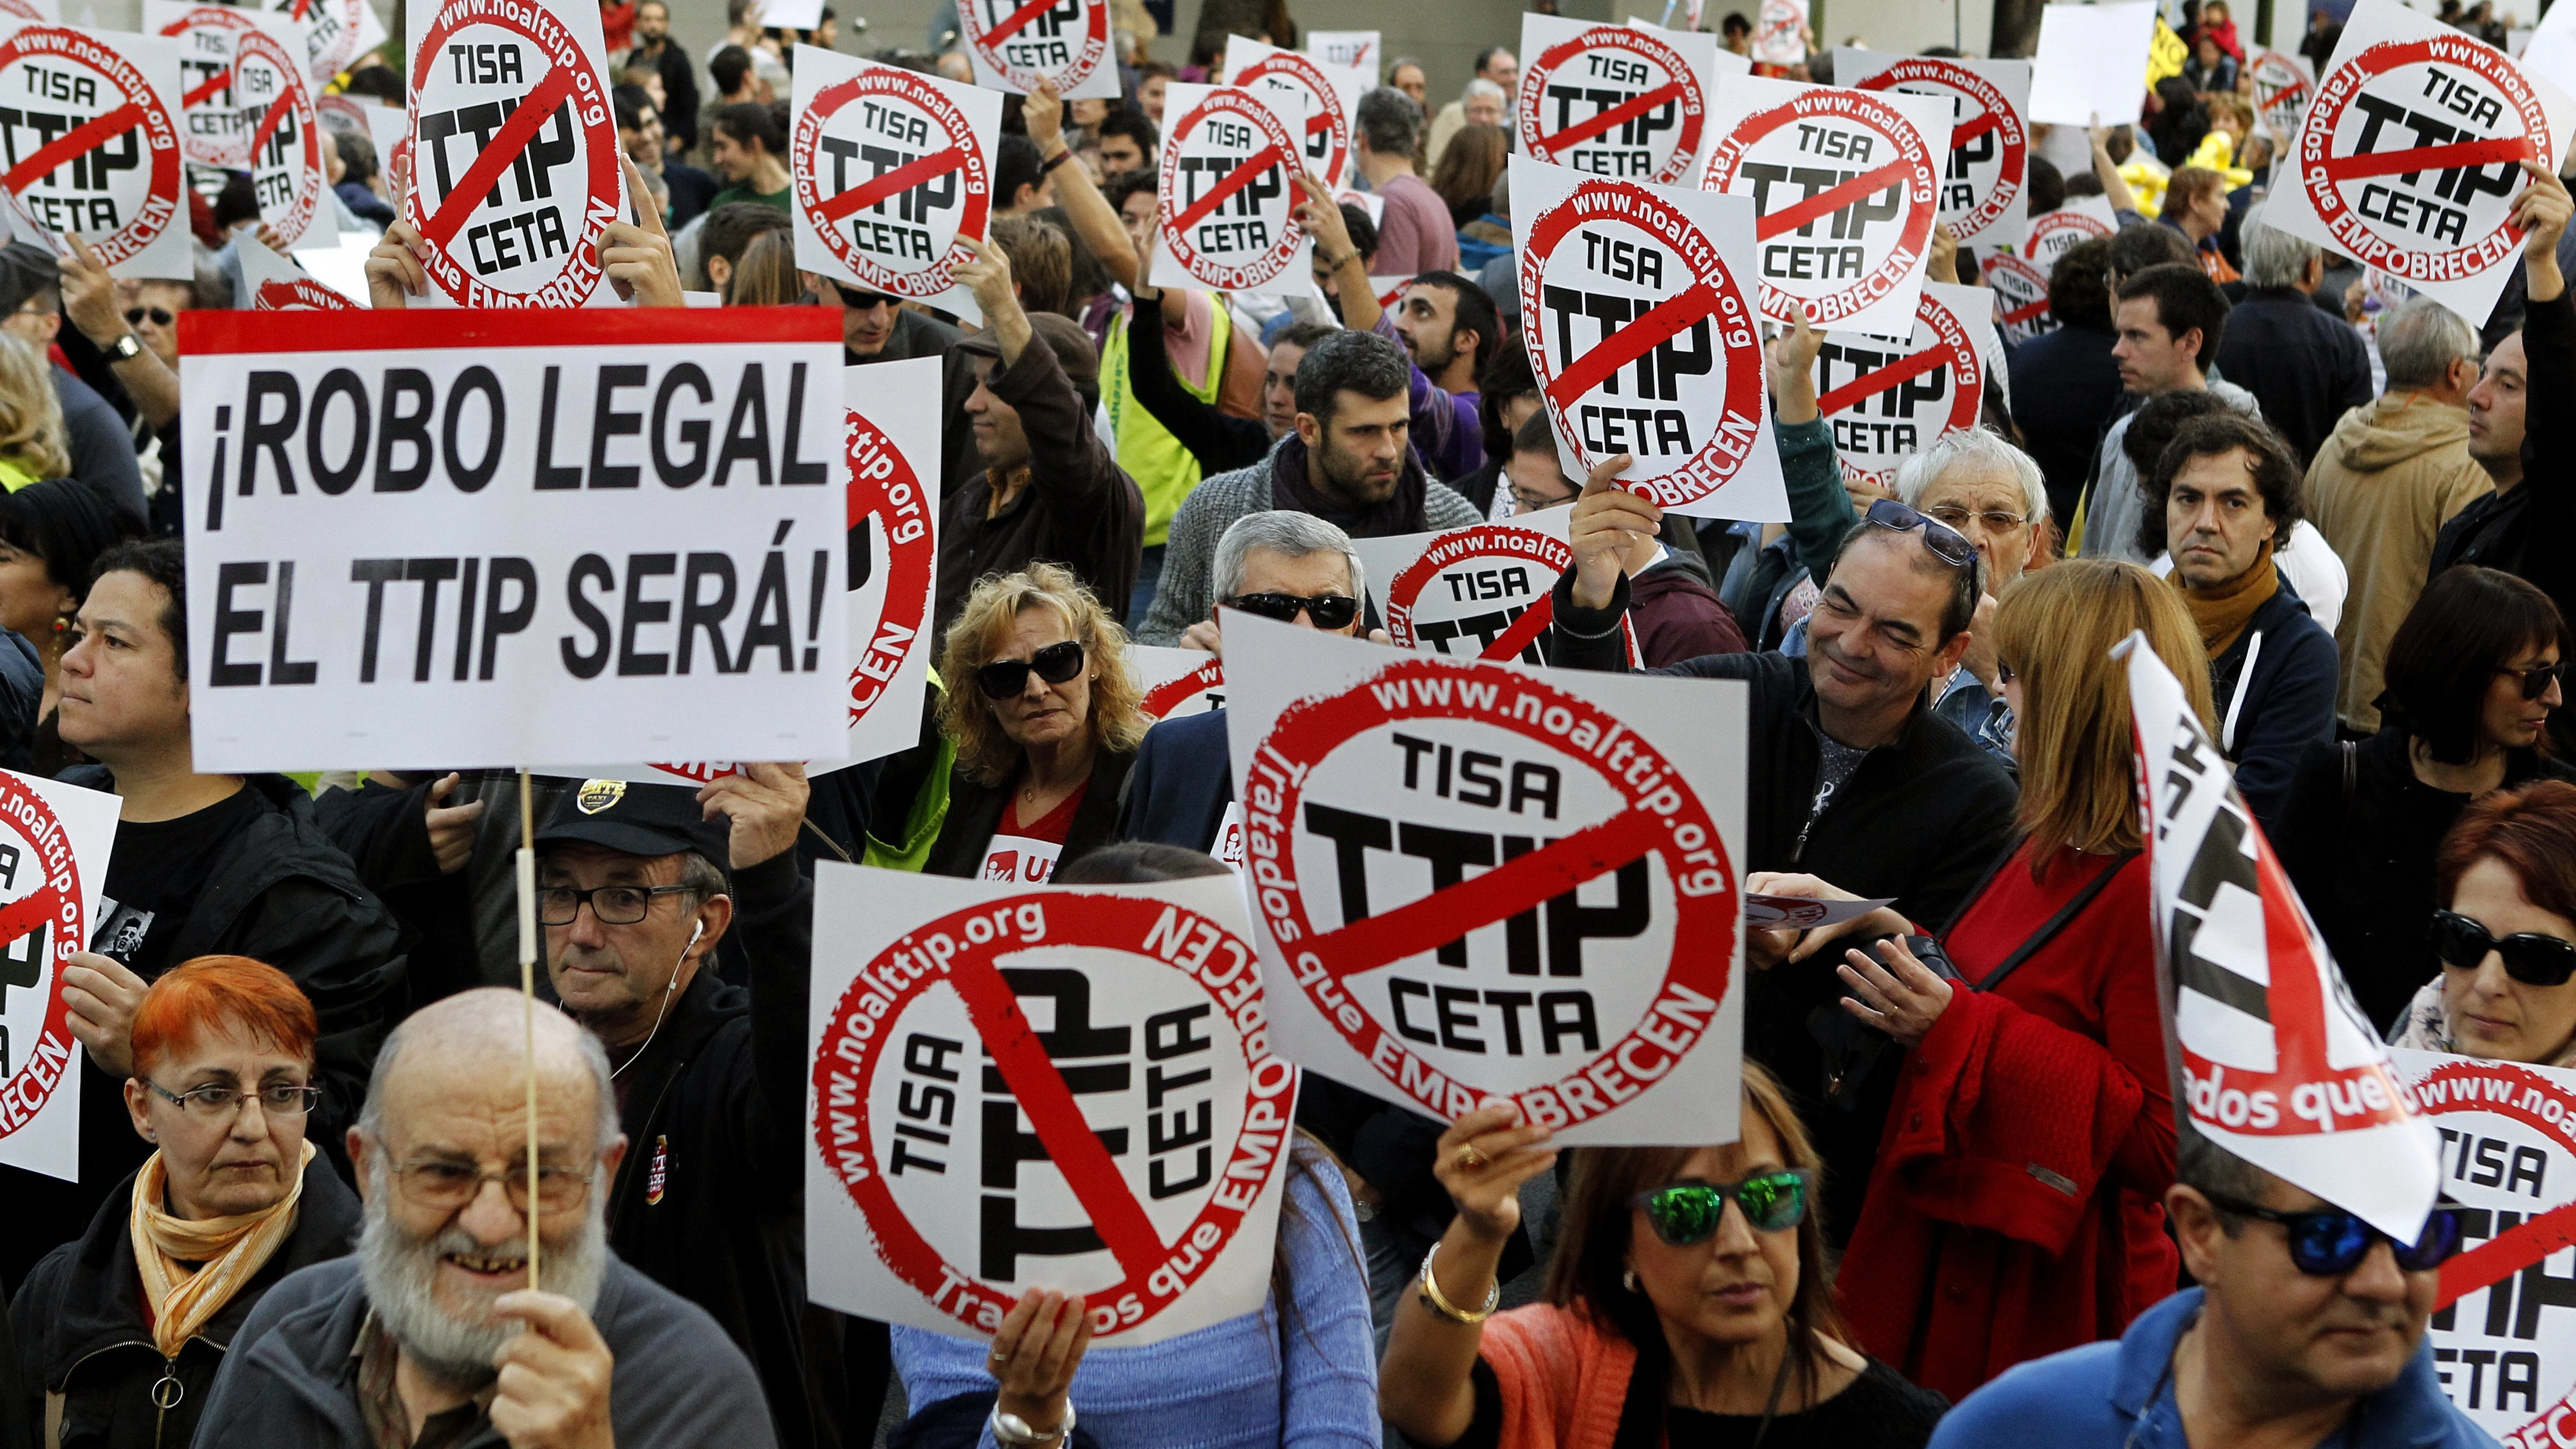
(292, 108)
(1733, 415)
(951, 148)
(1324, 116)
(1497, 541)
(1171, 694)
(883, 487)
(2022, 291)
(1993, 113)
(232, 21)
(989, 40)
(1661, 815)
(2325, 174)
(1680, 84)
(1940, 342)
(44, 1056)
(159, 206)
(1279, 148)
(569, 80)
(2053, 233)
(968, 947)
(2281, 91)
(1913, 171)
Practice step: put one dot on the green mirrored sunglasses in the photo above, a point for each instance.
(1689, 1212)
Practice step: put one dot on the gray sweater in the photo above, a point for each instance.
(1188, 588)
(290, 1377)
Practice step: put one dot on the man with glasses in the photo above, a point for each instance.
(876, 327)
(1994, 495)
(2307, 1327)
(430, 1333)
(1671, 598)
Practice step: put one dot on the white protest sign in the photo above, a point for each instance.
(1229, 189)
(348, 115)
(2092, 60)
(1479, 592)
(1614, 100)
(947, 1019)
(890, 169)
(641, 514)
(1330, 99)
(214, 125)
(337, 32)
(1014, 44)
(277, 284)
(2551, 51)
(54, 843)
(1887, 402)
(1846, 186)
(1780, 33)
(1357, 49)
(2409, 159)
(513, 150)
(1477, 880)
(795, 15)
(2021, 296)
(1637, 309)
(2270, 1057)
(48, 11)
(1982, 200)
(2283, 86)
(2081, 219)
(1725, 62)
(273, 119)
(1177, 681)
(90, 119)
(2508, 1135)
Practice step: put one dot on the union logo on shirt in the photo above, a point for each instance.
(660, 1173)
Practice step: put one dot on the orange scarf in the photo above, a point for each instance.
(2222, 613)
(228, 1251)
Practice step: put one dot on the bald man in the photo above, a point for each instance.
(430, 1333)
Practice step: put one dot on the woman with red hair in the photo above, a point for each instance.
(128, 1323)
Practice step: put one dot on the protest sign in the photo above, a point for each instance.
(1357, 49)
(2270, 1057)
(2165, 54)
(1845, 186)
(1479, 592)
(791, 15)
(1476, 880)
(1012, 1088)
(2021, 296)
(1650, 283)
(248, 102)
(2283, 86)
(1229, 187)
(2551, 50)
(1780, 34)
(1886, 403)
(90, 121)
(890, 169)
(54, 844)
(1177, 681)
(2508, 1158)
(2409, 159)
(1982, 201)
(346, 116)
(2089, 61)
(1624, 101)
(1330, 95)
(1014, 44)
(2081, 219)
(48, 11)
(336, 33)
(513, 150)
(641, 513)
(214, 126)
(277, 284)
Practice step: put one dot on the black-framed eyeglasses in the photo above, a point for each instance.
(2533, 958)
(447, 1184)
(1948, 544)
(1329, 611)
(161, 317)
(2332, 1243)
(1006, 678)
(2537, 679)
(218, 1101)
(1690, 1212)
(613, 905)
(1956, 518)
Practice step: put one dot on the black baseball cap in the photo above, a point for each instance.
(635, 818)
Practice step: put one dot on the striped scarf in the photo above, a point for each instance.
(228, 1251)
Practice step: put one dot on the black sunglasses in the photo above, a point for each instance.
(2536, 680)
(161, 318)
(1330, 611)
(1947, 544)
(2530, 957)
(1006, 678)
(861, 301)
(2332, 1243)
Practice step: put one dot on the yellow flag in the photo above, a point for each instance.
(2165, 54)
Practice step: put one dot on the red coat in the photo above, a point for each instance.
(2015, 1207)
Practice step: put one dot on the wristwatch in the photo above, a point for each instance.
(1014, 1430)
(125, 348)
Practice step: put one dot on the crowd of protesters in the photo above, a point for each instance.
(1960, 1209)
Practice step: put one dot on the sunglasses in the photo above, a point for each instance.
(160, 318)
(2537, 679)
(1006, 678)
(1947, 544)
(859, 301)
(2530, 957)
(1329, 611)
(2331, 1244)
(1690, 1212)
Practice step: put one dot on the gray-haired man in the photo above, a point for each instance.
(2307, 367)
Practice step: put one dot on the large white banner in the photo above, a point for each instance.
(1982, 200)
(890, 169)
(54, 843)
(1020, 1087)
(1888, 402)
(428, 539)
(1328, 94)
(1229, 188)
(1628, 101)
(89, 124)
(1014, 44)
(2091, 62)
(1477, 880)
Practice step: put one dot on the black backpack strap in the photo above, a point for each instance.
(2074, 907)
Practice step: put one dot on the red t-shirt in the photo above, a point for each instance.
(1026, 853)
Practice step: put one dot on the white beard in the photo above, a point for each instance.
(401, 1275)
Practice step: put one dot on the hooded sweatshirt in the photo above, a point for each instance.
(2385, 481)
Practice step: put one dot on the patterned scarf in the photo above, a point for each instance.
(228, 1251)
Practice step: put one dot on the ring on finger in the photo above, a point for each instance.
(1470, 1159)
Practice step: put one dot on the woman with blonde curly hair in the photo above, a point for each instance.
(1045, 716)
(32, 445)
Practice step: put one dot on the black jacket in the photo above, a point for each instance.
(1181, 783)
(975, 812)
(385, 833)
(2307, 369)
(2065, 386)
(2270, 714)
(80, 1320)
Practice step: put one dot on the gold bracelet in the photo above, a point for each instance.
(1438, 1303)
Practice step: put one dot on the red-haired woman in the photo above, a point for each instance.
(128, 1323)
(2505, 933)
